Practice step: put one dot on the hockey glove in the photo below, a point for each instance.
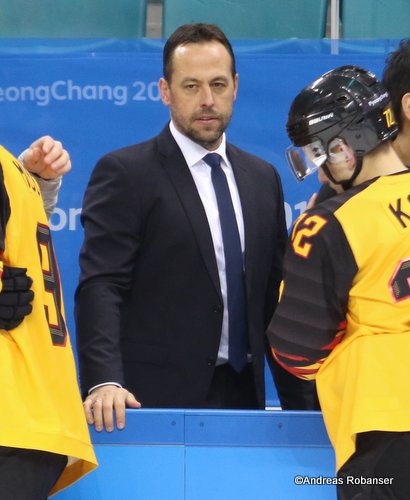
(15, 297)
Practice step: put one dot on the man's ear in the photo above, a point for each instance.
(235, 85)
(405, 105)
(164, 90)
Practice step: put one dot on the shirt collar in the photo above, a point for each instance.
(193, 152)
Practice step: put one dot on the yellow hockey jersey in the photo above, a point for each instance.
(344, 312)
(41, 403)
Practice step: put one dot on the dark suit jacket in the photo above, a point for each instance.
(148, 306)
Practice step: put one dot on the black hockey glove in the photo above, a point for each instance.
(15, 297)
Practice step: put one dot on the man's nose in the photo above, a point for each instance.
(207, 97)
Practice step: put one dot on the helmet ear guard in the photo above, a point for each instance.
(338, 151)
(347, 103)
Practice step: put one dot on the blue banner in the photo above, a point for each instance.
(98, 95)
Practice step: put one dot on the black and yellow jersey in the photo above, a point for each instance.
(344, 312)
(41, 404)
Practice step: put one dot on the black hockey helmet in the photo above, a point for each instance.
(347, 104)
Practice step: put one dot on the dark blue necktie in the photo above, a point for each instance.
(235, 279)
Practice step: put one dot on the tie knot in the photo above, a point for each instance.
(212, 159)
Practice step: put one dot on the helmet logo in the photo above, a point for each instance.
(388, 114)
(322, 118)
(378, 99)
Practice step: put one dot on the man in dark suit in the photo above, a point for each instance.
(155, 305)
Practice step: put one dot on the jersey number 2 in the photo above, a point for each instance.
(301, 238)
(52, 306)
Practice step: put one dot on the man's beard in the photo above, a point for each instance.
(210, 142)
(207, 139)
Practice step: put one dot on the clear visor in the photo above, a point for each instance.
(305, 160)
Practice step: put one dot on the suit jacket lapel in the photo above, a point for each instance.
(178, 171)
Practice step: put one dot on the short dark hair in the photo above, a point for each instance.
(396, 77)
(194, 33)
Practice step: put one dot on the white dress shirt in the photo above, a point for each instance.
(201, 173)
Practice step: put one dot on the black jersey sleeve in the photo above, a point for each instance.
(319, 268)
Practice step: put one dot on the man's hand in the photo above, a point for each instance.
(99, 406)
(15, 297)
(47, 158)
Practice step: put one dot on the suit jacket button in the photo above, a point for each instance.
(210, 361)
(218, 308)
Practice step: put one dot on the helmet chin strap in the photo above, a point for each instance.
(346, 183)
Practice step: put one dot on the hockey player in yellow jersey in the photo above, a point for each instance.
(48, 161)
(343, 316)
(44, 439)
